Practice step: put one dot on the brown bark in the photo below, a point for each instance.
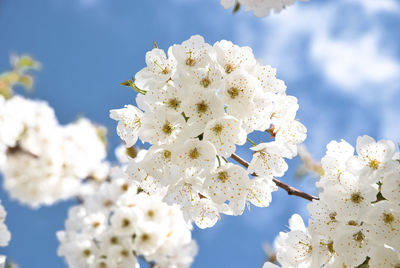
(289, 189)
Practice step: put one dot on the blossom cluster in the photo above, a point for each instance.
(196, 106)
(42, 161)
(260, 8)
(356, 220)
(5, 235)
(117, 223)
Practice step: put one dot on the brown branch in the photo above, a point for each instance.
(289, 189)
(18, 149)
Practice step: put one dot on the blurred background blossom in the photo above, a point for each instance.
(340, 58)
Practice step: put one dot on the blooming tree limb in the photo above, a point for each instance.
(289, 189)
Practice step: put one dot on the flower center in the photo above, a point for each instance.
(217, 129)
(86, 253)
(352, 223)
(233, 92)
(107, 203)
(167, 128)
(114, 240)
(135, 122)
(145, 237)
(174, 103)
(124, 253)
(150, 213)
(166, 71)
(96, 224)
(359, 237)
(194, 153)
(229, 68)
(166, 154)
(388, 218)
(190, 62)
(374, 164)
(205, 82)
(125, 187)
(332, 216)
(307, 246)
(102, 265)
(202, 107)
(356, 197)
(125, 223)
(223, 176)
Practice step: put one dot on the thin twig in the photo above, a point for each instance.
(289, 189)
(18, 149)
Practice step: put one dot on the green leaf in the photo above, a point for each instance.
(186, 119)
(27, 62)
(26, 81)
(126, 83)
(364, 264)
(138, 90)
(131, 83)
(379, 197)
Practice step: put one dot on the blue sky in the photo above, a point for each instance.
(340, 58)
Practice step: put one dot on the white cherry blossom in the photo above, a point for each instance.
(374, 158)
(201, 108)
(229, 183)
(260, 190)
(384, 223)
(224, 133)
(195, 157)
(129, 123)
(267, 160)
(158, 71)
(238, 92)
(232, 57)
(192, 54)
(161, 127)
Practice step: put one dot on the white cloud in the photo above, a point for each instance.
(345, 43)
(350, 60)
(375, 6)
(351, 63)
